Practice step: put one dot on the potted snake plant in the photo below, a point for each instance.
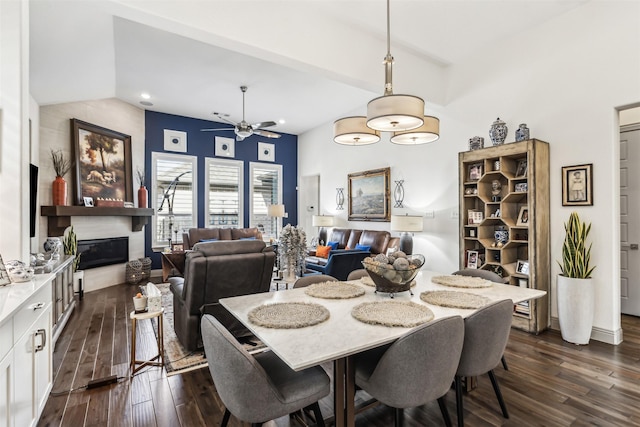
(70, 243)
(575, 285)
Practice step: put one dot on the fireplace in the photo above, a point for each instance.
(100, 252)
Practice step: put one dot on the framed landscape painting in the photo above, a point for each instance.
(369, 195)
(103, 163)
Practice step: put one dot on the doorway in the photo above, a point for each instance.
(629, 219)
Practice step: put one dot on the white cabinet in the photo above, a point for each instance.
(6, 389)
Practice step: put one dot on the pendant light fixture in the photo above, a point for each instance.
(401, 114)
(394, 113)
(428, 132)
(354, 131)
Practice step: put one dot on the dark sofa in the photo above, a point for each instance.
(196, 235)
(215, 270)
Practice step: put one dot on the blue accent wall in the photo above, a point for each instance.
(202, 145)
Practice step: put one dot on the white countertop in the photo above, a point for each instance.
(342, 335)
(13, 296)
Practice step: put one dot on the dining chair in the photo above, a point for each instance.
(417, 368)
(310, 280)
(258, 388)
(486, 333)
(487, 275)
(357, 274)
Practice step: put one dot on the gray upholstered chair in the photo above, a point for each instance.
(357, 274)
(258, 388)
(486, 333)
(314, 278)
(487, 275)
(417, 368)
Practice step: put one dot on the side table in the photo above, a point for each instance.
(151, 362)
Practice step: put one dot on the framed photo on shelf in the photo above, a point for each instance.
(521, 187)
(577, 185)
(523, 216)
(475, 217)
(472, 259)
(522, 267)
(102, 163)
(369, 195)
(88, 201)
(521, 170)
(475, 172)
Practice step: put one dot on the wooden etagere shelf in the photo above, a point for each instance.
(59, 217)
(504, 197)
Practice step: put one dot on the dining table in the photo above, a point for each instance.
(341, 336)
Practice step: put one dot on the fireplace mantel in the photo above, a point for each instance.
(59, 217)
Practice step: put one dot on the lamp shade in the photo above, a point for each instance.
(276, 211)
(394, 113)
(428, 132)
(321, 220)
(406, 223)
(354, 131)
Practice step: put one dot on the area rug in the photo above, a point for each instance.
(178, 360)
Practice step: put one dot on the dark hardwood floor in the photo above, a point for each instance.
(549, 382)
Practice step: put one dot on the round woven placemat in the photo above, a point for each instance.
(405, 314)
(368, 281)
(454, 299)
(334, 290)
(288, 315)
(456, 281)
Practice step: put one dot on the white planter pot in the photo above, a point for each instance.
(575, 309)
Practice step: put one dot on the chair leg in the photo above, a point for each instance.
(225, 418)
(496, 388)
(504, 363)
(317, 413)
(399, 417)
(445, 412)
(459, 409)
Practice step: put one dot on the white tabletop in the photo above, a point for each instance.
(343, 335)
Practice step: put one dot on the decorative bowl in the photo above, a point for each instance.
(393, 278)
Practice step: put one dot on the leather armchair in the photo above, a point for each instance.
(217, 270)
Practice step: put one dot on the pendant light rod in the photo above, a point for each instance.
(388, 60)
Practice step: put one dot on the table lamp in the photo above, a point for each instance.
(276, 211)
(406, 224)
(322, 221)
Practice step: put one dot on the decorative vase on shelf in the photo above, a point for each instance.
(59, 191)
(476, 143)
(142, 196)
(498, 132)
(522, 133)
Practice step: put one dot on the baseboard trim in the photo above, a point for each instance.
(598, 334)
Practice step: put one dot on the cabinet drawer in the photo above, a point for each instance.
(6, 339)
(29, 313)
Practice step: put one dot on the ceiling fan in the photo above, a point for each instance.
(243, 129)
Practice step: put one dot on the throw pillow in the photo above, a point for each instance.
(247, 238)
(323, 251)
(360, 247)
(334, 245)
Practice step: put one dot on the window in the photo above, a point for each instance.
(265, 190)
(174, 196)
(225, 196)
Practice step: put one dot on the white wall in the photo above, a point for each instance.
(565, 80)
(55, 133)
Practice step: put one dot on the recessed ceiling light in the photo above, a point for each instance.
(145, 95)
(282, 121)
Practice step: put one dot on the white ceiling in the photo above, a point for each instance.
(307, 62)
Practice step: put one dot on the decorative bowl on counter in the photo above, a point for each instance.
(393, 273)
(18, 271)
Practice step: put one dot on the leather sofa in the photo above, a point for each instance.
(215, 270)
(196, 235)
(345, 259)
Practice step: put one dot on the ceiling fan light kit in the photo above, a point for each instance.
(401, 114)
(243, 129)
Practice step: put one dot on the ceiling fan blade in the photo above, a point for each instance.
(266, 133)
(211, 130)
(263, 124)
(225, 119)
